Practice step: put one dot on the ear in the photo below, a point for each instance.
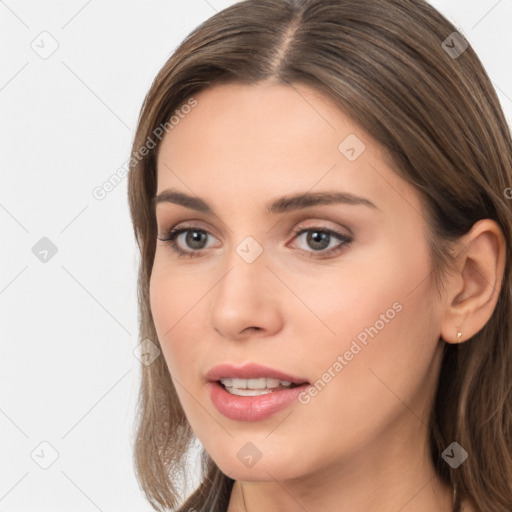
(473, 290)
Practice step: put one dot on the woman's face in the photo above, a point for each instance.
(335, 294)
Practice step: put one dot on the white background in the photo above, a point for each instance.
(68, 374)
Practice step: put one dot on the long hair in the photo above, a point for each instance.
(397, 69)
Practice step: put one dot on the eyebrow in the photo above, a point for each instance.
(281, 205)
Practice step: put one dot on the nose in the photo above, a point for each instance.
(245, 302)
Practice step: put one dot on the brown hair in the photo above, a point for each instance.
(438, 118)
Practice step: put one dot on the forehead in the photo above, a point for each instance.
(235, 116)
(268, 140)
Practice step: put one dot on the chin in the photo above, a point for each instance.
(276, 466)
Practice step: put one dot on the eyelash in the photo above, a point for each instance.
(172, 234)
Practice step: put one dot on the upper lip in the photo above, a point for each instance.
(249, 371)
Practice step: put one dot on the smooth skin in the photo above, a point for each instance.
(361, 442)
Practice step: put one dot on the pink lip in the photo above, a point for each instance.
(249, 371)
(251, 408)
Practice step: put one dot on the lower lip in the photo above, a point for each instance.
(252, 408)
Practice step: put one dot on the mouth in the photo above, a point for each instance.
(252, 377)
(256, 386)
(252, 392)
(245, 404)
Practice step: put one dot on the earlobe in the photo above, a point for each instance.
(474, 289)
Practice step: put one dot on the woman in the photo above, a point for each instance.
(321, 201)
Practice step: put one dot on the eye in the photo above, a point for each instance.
(320, 239)
(194, 238)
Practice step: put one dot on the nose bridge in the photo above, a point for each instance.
(249, 250)
(244, 297)
(246, 269)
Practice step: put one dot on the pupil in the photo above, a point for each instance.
(318, 237)
(193, 238)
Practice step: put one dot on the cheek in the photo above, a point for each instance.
(166, 310)
(175, 306)
(372, 299)
(382, 298)
(384, 352)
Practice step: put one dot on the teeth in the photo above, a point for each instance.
(248, 392)
(263, 383)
